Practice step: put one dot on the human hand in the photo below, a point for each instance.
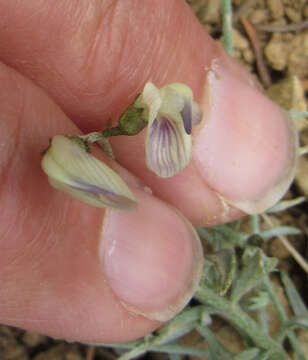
(73, 271)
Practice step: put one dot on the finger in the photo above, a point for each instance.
(70, 270)
(99, 56)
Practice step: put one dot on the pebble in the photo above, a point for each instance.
(259, 16)
(293, 15)
(275, 53)
(248, 56)
(276, 8)
(290, 95)
(239, 41)
(297, 50)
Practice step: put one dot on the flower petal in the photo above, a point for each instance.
(178, 98)
(73, 170)
(150, 99)
(196, 114)
(186, 114)
(168, 147)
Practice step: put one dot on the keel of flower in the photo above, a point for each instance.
(171, 114)
(71, 169)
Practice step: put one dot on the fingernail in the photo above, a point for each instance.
(152, 258)
(246, 146)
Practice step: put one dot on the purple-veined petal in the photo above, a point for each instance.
(178, 98)
(78, 173)
(168, 147)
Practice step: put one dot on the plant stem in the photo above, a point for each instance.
(282, 316)
(298, 114)
(239, 319)
(255, 224)
(227, 25)
(113, 131)
(296, 255)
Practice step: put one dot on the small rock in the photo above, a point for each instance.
(248, 56)
(276, 8)
(301, 178)
(293, 15)
(290, 95)
(259, 16)
(275, 53)
(210, 13)
(239, 41)
(279, 22)
(287, 37)
(298, 55)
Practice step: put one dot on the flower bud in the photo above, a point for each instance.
(72, 169)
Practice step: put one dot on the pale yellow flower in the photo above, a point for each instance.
(72, 169)
(171, 113)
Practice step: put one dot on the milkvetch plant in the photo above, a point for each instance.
(169, 114)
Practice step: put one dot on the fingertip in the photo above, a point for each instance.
(152, 259)
(246, 147)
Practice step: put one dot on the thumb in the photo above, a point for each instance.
(98, 58)
(75, 271)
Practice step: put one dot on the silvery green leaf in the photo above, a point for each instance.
(73, 170)
(286, 204)
(216, 348)
(257, 301)
(279, 230)
(249, 354)
(232, 236)
(180, 325)
(256, 267)
(297, 322)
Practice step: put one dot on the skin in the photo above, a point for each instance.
(81, 273)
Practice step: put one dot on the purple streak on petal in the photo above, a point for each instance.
(172, 137)
(166, 150)
(165, 147)
(114, 200)
(186, 114)
(177, 138)
(153, 145)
